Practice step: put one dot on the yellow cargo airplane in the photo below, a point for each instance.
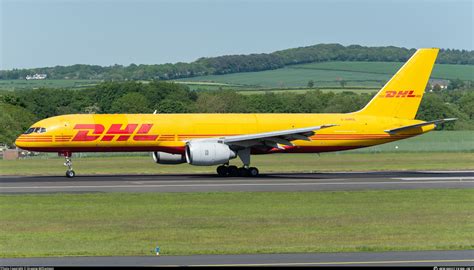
(214, 139)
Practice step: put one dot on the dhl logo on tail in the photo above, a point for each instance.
(400, 94)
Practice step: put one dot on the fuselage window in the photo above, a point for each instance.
(42, 130)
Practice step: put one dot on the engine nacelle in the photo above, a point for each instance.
(167, 158)
(208, 153)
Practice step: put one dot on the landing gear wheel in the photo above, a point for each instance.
(253, 172)
(233, 171)
(222, 170)
(243, 172)
(70, 173)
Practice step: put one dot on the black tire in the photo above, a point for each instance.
(70, 174)
(243, 172)
(222, 171)
(253, 172)
(233, 171)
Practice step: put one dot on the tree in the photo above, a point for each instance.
(14, 121)
(346, 102)
(467, 103)
(436, 88)
(433, 107)
(131, 103)
(343, 83)
(171, 106)
(455, 84)
(225, 101)
(92, 109)
(428, 87)
(310, 84)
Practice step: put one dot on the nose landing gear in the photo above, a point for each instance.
(70, 172)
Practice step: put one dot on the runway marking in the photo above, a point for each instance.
(331, 263)
(460, 171)
(230, 185)
(460, 178)
(236, 180)
(297, 180)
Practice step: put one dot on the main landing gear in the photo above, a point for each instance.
(70, 172)
(245, 171)
(225, 170)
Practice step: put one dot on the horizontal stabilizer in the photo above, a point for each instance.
(435, 122)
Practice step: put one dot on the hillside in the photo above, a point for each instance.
(355, 74)
(228, 64)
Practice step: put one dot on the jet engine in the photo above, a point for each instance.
(167, 158)
(208, 153)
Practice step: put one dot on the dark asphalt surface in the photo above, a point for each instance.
(266, 182)
(417, 258)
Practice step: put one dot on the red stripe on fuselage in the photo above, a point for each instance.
(180, 149)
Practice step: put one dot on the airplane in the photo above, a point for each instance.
(215, 139)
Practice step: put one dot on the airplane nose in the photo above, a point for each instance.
(19, 142)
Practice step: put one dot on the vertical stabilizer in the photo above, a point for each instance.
(402, 94)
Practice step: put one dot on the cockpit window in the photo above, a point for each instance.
(30, 130)
(35, 129)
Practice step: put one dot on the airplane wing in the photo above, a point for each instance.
(435, 122)
(274, 138)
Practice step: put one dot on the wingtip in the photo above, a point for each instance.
(449, 119)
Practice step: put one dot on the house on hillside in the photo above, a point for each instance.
(443, 84)
(36, 77)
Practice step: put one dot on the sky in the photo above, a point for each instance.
(41, 33)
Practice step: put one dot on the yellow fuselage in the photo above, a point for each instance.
(169, 132)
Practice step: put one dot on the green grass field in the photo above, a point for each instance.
(437, 141)
(290, 77)
(440, 71)
(47, 83)
(302, 90)
(328, 75)
(266, 164)
(235, 223)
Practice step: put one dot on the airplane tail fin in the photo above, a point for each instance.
(401, 95)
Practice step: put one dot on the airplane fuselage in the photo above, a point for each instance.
(169, 132)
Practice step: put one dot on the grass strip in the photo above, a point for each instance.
(235, 223)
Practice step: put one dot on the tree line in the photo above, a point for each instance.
(238, 63)
(22, 108)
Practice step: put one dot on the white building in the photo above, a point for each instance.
(36, 77)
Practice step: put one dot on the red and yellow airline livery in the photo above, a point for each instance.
(214, 139)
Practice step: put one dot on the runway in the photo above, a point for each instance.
(266, 182)
(402, 258)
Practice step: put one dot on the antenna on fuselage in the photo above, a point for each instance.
(155, 111)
